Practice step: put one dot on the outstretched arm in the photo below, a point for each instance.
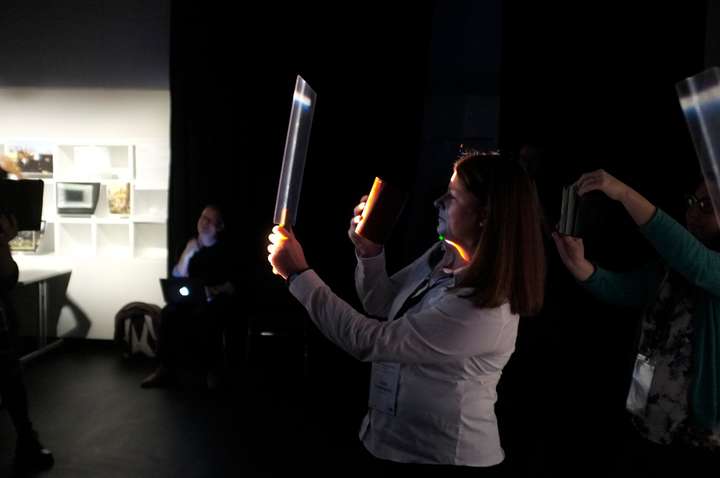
(682, 251)
(632, 288)
(449, 329)
(640, 209)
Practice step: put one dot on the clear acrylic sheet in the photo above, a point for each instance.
(700, 101)
(296, 144)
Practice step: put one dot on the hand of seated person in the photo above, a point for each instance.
(191, 247)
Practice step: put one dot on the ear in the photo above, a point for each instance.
(482, 217)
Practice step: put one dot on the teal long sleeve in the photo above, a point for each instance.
(683, 252)
(632, 288)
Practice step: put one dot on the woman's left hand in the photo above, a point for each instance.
(285, 252)
(600, 180)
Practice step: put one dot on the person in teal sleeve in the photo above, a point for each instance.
(675, 393)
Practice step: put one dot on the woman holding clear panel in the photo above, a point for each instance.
(450, 320)
(675, 394)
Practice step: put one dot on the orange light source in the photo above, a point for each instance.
(369, 204)
(380, 212)
(463, 253)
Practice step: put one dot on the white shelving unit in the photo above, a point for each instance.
(141, 233)
(114, 258)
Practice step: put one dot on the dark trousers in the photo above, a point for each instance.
(642, 458)
(191, 336)
(12, 388)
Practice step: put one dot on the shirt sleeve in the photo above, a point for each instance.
(450, 329)
(630, 288)
(373, 285)
(683, 252)
(375, 288)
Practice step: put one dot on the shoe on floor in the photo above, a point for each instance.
(162, 377)
(30, 455)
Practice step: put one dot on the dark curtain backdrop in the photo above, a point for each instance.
(233, 71)
(591, 86)
(585, 86)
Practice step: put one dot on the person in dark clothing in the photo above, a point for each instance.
(194, 331)
(29, 453)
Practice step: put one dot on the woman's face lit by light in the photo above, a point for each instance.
(458, 215)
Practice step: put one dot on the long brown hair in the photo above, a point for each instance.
(508, 263)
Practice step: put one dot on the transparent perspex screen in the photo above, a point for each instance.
(296, 145)
(700, 101)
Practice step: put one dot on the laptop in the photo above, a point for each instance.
(183, 291)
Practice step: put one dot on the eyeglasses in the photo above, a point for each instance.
(703, 203)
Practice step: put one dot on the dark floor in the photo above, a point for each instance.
(87, 404)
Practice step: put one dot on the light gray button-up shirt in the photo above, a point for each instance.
(451, 356)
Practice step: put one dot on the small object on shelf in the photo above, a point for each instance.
(118, 198)
(31, 160)
(77, 198)
(27, 241)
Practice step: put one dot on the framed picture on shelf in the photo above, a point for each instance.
(76, 198)
(27, 241)
(118, 195)
(31, 159)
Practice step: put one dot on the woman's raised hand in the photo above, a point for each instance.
(364, 247)
(572, 253)
(285, 252)
(600, 180)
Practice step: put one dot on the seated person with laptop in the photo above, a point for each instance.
(198, 302)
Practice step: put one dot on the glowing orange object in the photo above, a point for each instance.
(382, 209)
(463, 253)
(283, 217)
(370, 203)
